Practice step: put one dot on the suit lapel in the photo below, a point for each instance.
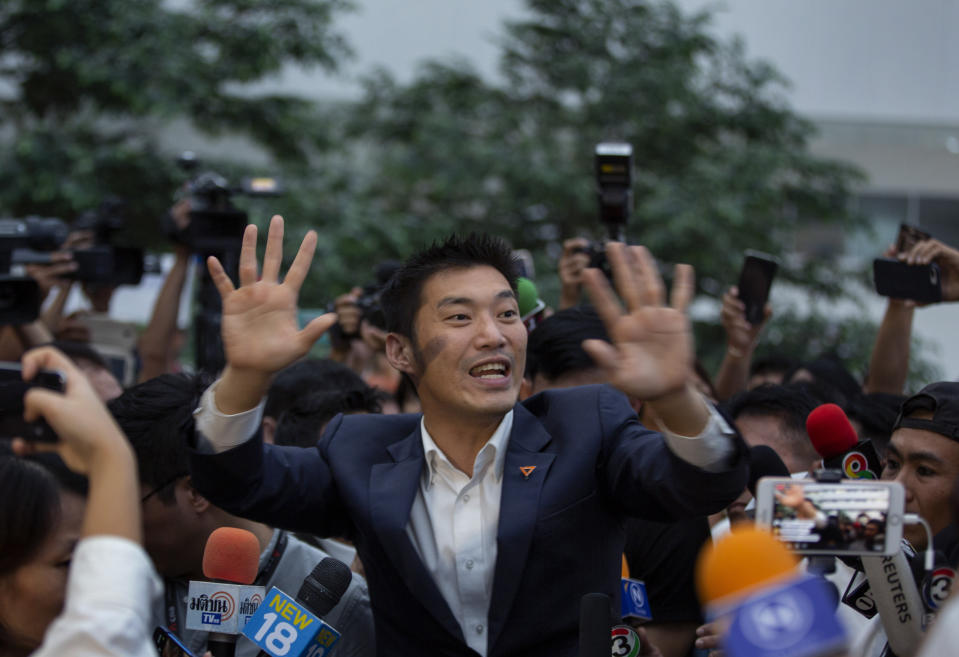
(393, 488)
(524, 473)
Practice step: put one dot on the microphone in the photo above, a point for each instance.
(595, 625)
(324, 586)
(308, 634)
(835, 440)
(231, 557)
(764, 462)
(750, 579)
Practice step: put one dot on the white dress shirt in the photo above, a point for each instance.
(453, 526)
(111, 590)
(454, 520)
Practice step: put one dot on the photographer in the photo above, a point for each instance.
(110, 586)
(358, 338)
(17, 338)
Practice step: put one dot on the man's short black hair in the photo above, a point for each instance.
(555, 346)
(157, 418)
(772, 364)
(307, 376)
(401, 298)
(876, 414)
(300, 425)
(791, 403)
(829, 372)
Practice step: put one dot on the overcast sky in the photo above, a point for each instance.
(887, 60)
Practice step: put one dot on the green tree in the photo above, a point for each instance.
(91, 82)
(722, 162)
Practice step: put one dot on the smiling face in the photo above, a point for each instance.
(468, 348)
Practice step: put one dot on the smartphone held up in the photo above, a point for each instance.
(899, 280)
(755, 281)
(849, 518)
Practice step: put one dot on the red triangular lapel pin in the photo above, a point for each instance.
(527, 470)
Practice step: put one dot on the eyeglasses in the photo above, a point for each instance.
(156, 490)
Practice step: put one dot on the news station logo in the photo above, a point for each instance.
(218, 607)
(625, 641)
(282, 627)
(249, 605)
(937, 586)
(215, 609)
(855, 465)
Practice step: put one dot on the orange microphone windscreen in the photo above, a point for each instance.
(741, 562)
(231, 555)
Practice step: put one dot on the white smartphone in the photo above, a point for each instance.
(848, 518)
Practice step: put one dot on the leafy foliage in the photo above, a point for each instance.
(92, 81)
(722, 162)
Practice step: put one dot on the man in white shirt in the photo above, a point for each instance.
(482, 522)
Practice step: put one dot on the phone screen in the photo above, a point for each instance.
(169, 645)
(844, 518)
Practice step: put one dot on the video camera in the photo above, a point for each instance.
(20, 295)
(104, 262)
(32, 241)
(614, 192)
(216, 224)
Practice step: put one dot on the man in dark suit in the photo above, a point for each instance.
(482, 522)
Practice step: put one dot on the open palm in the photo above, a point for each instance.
(652, 347)
(260, 327)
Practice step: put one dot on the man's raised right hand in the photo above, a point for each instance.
(261, 333)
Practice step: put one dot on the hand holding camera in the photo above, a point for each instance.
(88, 435)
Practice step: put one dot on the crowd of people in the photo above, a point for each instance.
(477, 472)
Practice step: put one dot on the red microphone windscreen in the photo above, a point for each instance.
(231, 555)
(830, 431)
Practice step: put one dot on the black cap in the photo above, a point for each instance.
(942, 400)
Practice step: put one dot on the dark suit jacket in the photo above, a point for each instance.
(560, 530)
